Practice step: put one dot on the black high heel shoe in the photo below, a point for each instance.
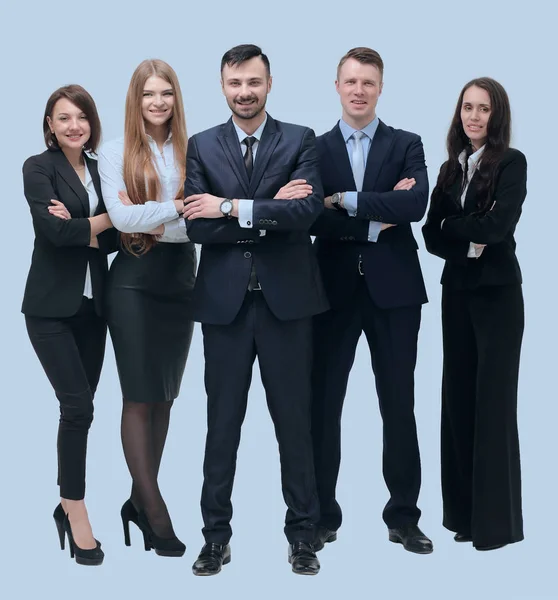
(91, 557)
(128, 513)
(59, 516)
(171, 546)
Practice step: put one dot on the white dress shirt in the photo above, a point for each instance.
(469, 167)
(93, 203)
(245, 206)
(142, 218)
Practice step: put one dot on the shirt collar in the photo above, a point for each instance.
(473, 159)
(370, 129)
(169, 138)
(88, 178)
(257, 134)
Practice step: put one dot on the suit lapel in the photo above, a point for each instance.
(338, 150)
(270, 138)
(92, 166)
(231, 147)
(67, 173)
(379, 149)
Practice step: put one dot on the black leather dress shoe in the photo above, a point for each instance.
(211, 558)
(462, 537)
(484, 548)
(323, 536)
(303, 559)
(412, 539)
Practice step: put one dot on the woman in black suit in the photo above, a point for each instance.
(474, 210)
(63, 295)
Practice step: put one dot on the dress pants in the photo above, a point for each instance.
(392, 336)
(284, 352)
(71, 351)
(481, 479)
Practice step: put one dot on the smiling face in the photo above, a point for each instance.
(359, 86)
(69, 124)
(157, 102)
(475, 115)
(246, 86)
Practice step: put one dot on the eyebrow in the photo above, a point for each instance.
(163, 92)
(481, 104)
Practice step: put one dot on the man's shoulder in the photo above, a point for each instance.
(401, 134)
(210, 133)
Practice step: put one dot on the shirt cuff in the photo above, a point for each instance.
(245, 213)
(374, 229)
(350, 202)
(175, 229)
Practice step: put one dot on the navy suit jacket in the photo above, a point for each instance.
(391, 266)
(284, 259)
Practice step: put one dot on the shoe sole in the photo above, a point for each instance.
(398, 540)
(169, 553)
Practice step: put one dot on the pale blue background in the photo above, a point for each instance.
(430, 50)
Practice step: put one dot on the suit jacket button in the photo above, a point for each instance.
(261, 221)
(247, 255)
(274, 222)
(249, 223)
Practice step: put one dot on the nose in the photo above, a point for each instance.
(358, 88)
(475, 114)
(74, 124)
(158, 100)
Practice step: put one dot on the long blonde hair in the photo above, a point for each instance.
(140, 175)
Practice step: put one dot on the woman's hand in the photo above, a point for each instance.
(124, 198)
(59, 210)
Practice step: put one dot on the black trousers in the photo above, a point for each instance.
(481, 479)
(284, 351)
(392, 338)
(71, 351)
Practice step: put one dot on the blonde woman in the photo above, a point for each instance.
(150, 283)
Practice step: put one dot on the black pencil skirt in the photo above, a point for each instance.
(148, 314)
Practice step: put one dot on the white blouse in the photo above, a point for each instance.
(141, 218)
(93, 203)
(469, 167)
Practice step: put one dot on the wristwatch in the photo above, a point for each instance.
(226, 207)
(336, 200)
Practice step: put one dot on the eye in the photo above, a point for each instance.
(146, 94)
(83, 117)
(62, 118)
(485, 109)
(168, 94)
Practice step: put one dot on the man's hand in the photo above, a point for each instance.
(387, 226)
(297, 189)
(206, 206)
(405, 184)
(327, 203)
(93, 242)
(59, 210)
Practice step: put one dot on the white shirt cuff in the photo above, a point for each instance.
(245, 213)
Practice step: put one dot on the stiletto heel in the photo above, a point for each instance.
(129, 513)
(91, 557)
(59, 515)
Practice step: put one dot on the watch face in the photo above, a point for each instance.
(336, 198)
(226, 207)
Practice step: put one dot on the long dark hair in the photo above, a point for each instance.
(497, 142)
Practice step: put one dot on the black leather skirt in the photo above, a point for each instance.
(148, 313)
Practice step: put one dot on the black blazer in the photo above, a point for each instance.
(61, 249)
(284, 259)
(391, 266)
(498, 264)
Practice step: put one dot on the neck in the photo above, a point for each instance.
(74, 156)
(477, 146)
(158, 133)
(357, 123)
(249, 126)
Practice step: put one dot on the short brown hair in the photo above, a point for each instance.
(83, 100)
(365, 56)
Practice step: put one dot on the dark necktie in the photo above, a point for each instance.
(248, 155)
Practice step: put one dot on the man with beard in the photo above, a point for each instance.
(252, 192)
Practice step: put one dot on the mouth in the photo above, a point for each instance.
(246, 102)
(75, 137)
(474, 128)
(158, 113)
(359, 102)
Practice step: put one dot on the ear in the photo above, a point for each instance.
(269, 82)
(222, 86)
(337, 85)
(381, 87)
(49, 121)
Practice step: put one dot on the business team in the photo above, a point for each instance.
(252, 192)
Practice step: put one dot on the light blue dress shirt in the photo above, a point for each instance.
(350, 201)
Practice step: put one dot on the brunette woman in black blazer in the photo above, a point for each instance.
(474, 211)
(64, 292)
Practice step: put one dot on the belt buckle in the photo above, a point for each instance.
(361, 272)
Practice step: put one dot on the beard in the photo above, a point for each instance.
(249, 111)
